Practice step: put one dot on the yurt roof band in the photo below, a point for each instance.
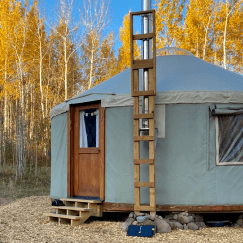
(170, 97)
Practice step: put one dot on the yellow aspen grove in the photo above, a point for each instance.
(168, 22)
(124, 51)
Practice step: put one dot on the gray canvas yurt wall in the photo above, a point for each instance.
(59, 156)
(186, 173)
(189, 89)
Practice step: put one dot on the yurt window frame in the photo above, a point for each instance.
(217, 146)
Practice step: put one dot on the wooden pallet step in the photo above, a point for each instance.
(143, 161)
(143, 116)
(145, 208)
(143, 36)
(143, 138)
(64, 216)
(143, 93)
(144, 184)
(145, 63)
(73, 208)
(79, 200)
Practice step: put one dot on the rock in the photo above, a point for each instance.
(141, 219)
(134, 222)
(191, 219)
(162, 226)
(182, 219)
(241, 216)
(152, 217)
(236, 225)
(160, 217)
(140, 214)
(185, 227)
(198, 218)
(192, 226)
(201, 224)
(131, 215)
(175, 216)
(174, 224)
(125, 225)
(184, 214)
(147, 222)
(239, 222)
(169, 216)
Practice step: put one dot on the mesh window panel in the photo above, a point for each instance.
(230, 138)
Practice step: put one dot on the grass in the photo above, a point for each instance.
(29, 185)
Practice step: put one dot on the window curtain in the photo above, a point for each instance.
(97, 128)
(83, 141)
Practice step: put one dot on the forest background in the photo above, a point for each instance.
(43, 63)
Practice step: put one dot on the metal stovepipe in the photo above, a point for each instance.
(146, 54)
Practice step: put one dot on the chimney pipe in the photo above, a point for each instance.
(146, 54)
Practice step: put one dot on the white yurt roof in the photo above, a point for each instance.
(176, 76)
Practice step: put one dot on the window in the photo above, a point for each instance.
(229, 139)
(89, 128)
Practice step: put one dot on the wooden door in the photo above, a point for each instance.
(88, 151)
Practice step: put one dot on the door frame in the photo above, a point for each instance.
(70, 146)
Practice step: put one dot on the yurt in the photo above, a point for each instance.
(199, 140)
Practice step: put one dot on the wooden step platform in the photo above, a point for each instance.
(75, 212)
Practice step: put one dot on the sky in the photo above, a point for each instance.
(118, 9)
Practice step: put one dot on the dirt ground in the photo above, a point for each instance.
(22, 221)
(4, 201)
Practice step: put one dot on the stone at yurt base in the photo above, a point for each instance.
(239, 222)
(184, 221)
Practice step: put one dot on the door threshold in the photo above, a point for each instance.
(88, 198)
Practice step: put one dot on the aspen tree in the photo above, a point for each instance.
(94, 19)
(108, 60)
(197, 29)
(41, 48)
(228, 13)
(66, 29)
(169, 19)
(236, 37)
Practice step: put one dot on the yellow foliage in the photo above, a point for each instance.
(124, 57)
(168, 22)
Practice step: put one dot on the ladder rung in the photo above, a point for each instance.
(144, 184)
(144, 116)
(143, 161)
(150, 11)
(143, 93)
(146, 63)
(143, 138)
(144, 208)
(143, 36)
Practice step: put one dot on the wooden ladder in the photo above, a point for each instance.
(149, 64)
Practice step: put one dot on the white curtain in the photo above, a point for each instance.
(83, 143)
(97, 128)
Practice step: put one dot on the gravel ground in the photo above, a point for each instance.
(22, 221)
